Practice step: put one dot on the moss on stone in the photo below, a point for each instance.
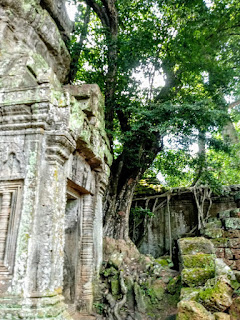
(194, 277)
(174, 285)
(220, 242)
(213, 233)
(199, 260)
(195, 245)
(217, 297)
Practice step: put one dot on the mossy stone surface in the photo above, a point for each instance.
(232, 223)
(216, 223)
(224, 214)
(199, 260)
(195, 245)
(213, 233)
(189, 293)
(217, 297)
(220, 242)
(195, 277)
(192, 310)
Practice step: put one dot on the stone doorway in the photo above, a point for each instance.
(72, 248)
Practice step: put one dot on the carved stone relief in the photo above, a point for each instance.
(82, 174)
(12, 161)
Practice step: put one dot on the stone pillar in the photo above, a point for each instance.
(85, 289)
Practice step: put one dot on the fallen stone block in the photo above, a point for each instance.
(192, 310)
(217, 295)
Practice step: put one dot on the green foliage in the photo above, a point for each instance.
(99, 307)
(195, 48)
(139, 212)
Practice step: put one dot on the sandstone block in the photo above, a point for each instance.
(235, 309)
(234, 243)
(238, 265)
(235, 213)
(217, 295)
(198, 260)
(224, 214)
(189, 293)
(195, 277)
(191, 310)
(220, 242)
(236, 253)
(232, 223)
(195, 245)
(213, 233)
(228, 253)
(230, 263)
(221, 268)
(216, 223)
(232, 234)
(221, 316)
(220, 253)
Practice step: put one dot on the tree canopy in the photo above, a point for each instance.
(186, 54)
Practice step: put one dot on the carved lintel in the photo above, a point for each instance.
(59, 147)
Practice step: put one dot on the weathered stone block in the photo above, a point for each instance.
(235, 213)
(192, 310)
(189, 293)
(217, 296)
(189, 246)
(220, 253)
(234, 243)
(213, 233)
(221, 268)
(235, 309)
(232, 223)
(228, 253)
(230, 263)
(224, 214)
(237, 275)
(236, 253)
(220, 242)
(215, 223)
(198, 260)
(195, 277)
(232, 234)
(221, 316)
(238, 265)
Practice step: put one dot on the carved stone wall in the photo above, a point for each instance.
(54, 164)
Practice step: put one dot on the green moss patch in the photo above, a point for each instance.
(194, 277)
(199, 260)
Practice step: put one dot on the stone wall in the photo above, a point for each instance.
(54, 165)
(159, 229)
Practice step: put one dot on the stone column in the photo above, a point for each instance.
(85, 290)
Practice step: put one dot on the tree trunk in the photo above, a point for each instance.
(118, 200)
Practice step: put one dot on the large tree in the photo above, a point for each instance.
(190, 44)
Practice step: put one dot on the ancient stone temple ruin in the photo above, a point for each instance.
(54, 164)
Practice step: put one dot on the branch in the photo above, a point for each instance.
(234, 104)
(100, 11)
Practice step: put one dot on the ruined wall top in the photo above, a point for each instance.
(40, 26)
(34, 66)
